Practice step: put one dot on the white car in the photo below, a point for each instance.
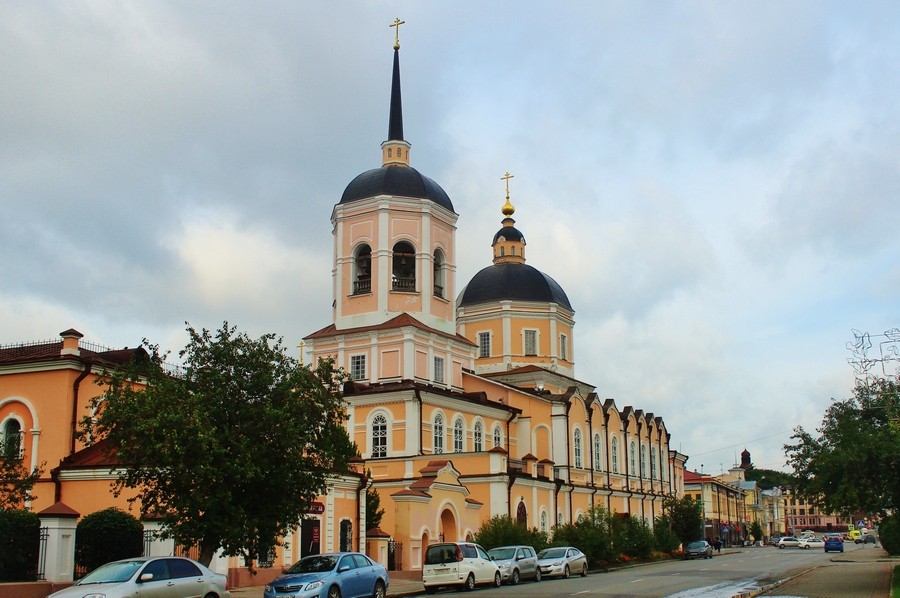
(462, 565)
(169, 576)
(811, 542)
(788, 541)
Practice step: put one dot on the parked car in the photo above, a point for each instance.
(462, 565)
(786, 541)
(698, 548)
(562, 561)
(516, 562)
(170, 576)
(810, 542)
(335, 575)
(833, 543)
(865, 539)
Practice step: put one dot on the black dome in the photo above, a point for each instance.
(512, 281)
(510, 233)
(403, 181)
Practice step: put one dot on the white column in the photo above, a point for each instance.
(59, 551)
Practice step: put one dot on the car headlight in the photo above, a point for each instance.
(556, 564)
(269, 589)
(314, 584)
(94, 595)
(504, 566)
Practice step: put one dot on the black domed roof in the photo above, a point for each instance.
(403, 181)
(510, 233)
(512, 281)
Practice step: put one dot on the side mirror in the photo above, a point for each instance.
(146, 577)
(493, 558)
(344, 568)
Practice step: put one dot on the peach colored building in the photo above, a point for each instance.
(463, 402)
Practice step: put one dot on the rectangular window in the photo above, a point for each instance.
(358, 367)
(439, 370)
(563, 347)
(531, 342)
(484, 344)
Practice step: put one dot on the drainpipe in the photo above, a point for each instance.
(88, 364)
(421, 423)
(608, 480)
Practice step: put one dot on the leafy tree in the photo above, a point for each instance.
(20, 542)
(592, 533)
(107, 535)
(852, 464)
(632, 537)
(756, 531)
(230, 453)
(769, 478)
(502, 530)
(686, 517)
(374, 512)
(16, 482)
(664, 538)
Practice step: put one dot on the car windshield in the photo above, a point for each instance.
(112, 572)
(501, 554)
(313, 564)
(697, 544)
(552, 553)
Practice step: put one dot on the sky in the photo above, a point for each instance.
(716, 185)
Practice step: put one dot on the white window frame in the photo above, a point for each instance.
(459, 435)
(530, 335)
(484, 344)
(438, 370)
(497, 435)
(576, 447)
(632, 459)
(478, 436)
(358, 367)
(437, 434)
(598, 452)
(379, 449)
(643, 460)
(614, 455)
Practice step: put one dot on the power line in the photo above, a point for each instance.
(731, 446)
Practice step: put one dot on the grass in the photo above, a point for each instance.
(895, 583)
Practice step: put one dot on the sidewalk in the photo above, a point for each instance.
(861, 573)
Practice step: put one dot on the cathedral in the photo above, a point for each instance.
(463, 400)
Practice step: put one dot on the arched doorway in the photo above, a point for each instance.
(522, 514)
(448, 526)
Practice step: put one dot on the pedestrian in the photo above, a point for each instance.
(719, 545)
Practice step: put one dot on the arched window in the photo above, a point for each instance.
(438, 273)
(13, 447)
(478, 437)
(653, 463)
(577, 447)
(643, 461)
(458, 435)
(438, 436)
(522, 514)
(615, 455)
(632, 458)
(598, 455)
(346, 535)
(498, 437)
(544, 521)
(362, 270)
(404, 267)
(379, 436)
(559, 519)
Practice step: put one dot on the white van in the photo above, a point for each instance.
(462, 565)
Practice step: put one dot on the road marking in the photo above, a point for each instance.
(636, 580)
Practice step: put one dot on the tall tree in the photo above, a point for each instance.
(686, 517)
(231, 451)
(16, 482)
(853, 464)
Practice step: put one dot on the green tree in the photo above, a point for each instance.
(16, 482)
(664, 537)
(374, 512)
(231, 451)
(107, 535)
(502, 530)
(851, 465)
(686, 517)
(592, 533)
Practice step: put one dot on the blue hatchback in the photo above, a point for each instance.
(832, 543)
(338, 575)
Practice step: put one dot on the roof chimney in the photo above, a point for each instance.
(70, 342)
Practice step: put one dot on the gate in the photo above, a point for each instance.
(395, 555)
(41, 565)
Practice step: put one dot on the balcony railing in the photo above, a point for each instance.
(407, 285)
(362, 286)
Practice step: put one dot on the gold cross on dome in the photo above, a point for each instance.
(396, 25)
(506, 178)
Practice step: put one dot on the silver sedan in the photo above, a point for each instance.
(562, 561)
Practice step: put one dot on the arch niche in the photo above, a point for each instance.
(448, 526)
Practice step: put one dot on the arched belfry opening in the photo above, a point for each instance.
(403, 270)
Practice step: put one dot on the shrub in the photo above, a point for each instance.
(889, 534)
(107, 535)
(632, 537)
(664, 538)
(20, 541)
(591, 534)
(501, 530)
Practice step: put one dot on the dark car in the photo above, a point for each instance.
(698, 548)
(338, 575)
(833, 543)
(867, 539)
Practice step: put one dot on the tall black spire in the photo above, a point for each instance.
(395, 126)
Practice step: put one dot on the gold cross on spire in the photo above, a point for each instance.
(506, 178)
(396, 25)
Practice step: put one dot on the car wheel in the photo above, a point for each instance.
(379, 590)
(584, 570)
(470, 583)
(781, 546)
(334, 592)
(566, 572)
(537, 574)
(429, 590)
(497, 580)
(515, 577)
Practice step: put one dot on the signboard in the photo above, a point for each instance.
(316, 508)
